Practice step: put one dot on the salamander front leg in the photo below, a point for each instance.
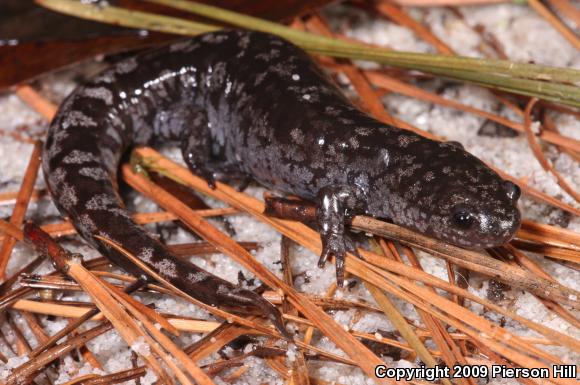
(196, 148)
(335, 205)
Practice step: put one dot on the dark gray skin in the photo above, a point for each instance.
(247, 104)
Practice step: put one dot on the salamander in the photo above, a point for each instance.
(244, 105)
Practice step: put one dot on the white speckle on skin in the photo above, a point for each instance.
(106, 77)
(295, 77)
(79, 157)
(126, 66)
(57, 176)
(196, 277)
(68, 196)
(166, 267)
(297, 135)
(179, 46)
(101, 93)
(306, 97)
(95, 173)
(100, 202)
(87, 223)
(354, 142)
(146, 254)
(119, 211)
(77, 118)
(429, 176)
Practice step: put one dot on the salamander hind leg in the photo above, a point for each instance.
(335, 205)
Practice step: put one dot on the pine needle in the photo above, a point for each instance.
(549, 83)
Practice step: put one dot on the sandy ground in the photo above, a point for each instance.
(524, 36)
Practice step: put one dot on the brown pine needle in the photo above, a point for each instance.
(367, 95)
(149, 313)
(550, 235)
(22, 200)
(200, 377)
(568, 34)
(213, 310)
(364, 358)
(381, 80)
(30, 369)
(529, 264)
(450, 351)
(36, 101)
(500, 346)
(387, 9)
(567, 9)
(553, 252)
(310, 239)
(547, 165)
(403, 327)
(62, 229)
(470, 259)
(9, 198)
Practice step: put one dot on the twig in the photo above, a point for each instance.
(358, 352)
(22, 201)
(61, 229)
(569, 35)
(386, 8)
(310, 239)
(540, 155)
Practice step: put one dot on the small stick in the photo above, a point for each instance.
(536, 149)
(22, 200)
(466, 258)
(9, 198)
(61, 229)
(6, 285)
(26, 372)
(46, 246)
(364, 357)
(566, 32)
(52, 340)
(36, 101)
(387, 9)
(567, 9)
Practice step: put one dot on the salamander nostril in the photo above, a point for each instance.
(513, 191)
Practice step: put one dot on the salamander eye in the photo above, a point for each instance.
(463, 219)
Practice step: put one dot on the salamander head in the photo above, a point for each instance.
(478, 220)
(453, 196)
(474, 207)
